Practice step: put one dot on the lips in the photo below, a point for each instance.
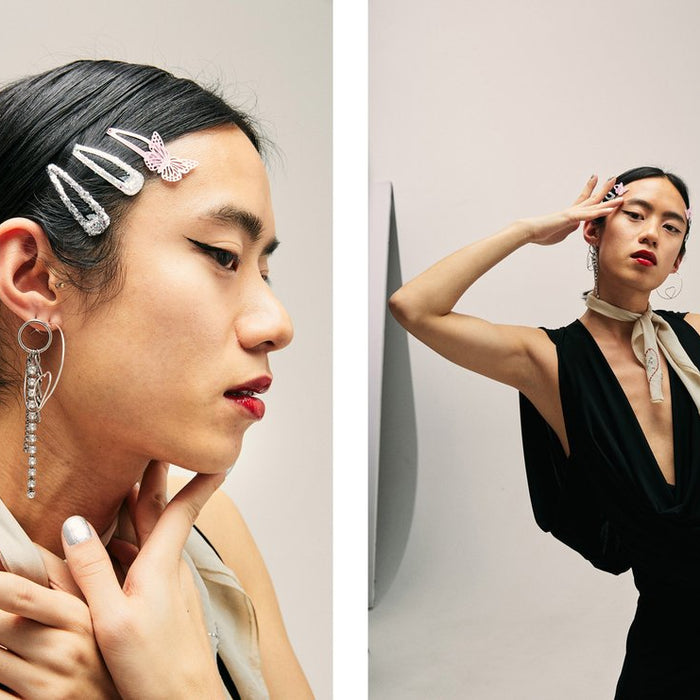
(244, 396)
(644, 257)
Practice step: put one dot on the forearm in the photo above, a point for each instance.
(436, 291)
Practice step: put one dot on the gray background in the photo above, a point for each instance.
(482, 112)
(274, 58)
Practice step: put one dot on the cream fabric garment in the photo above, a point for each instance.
(227, 608)
(649, 333)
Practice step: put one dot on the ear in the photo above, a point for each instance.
(27, 282)
(677, 264)
(591, 233)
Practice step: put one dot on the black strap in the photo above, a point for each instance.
(223, 671)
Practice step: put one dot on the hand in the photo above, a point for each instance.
(151, 631)
(50, 649)
(553, 228)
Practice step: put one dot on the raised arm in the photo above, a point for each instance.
(504, 353)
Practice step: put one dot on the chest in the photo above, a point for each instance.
(655, 420)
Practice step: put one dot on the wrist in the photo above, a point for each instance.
(522, 231)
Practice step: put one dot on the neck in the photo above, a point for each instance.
(614, 322)
(624, 297)
(77, 474)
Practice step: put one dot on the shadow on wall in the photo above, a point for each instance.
(395, 466)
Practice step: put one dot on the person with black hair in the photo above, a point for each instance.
(609, 405)
(136, 321)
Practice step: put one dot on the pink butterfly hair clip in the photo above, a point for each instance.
(157, 158)
(617, 191)
(689, 214)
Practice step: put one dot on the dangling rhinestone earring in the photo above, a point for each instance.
(671, 288)
(35, 393)
(592, 264)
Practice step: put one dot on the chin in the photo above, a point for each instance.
(207, 460)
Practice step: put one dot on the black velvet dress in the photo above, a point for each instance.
(610, 502)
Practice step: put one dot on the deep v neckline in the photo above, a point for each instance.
(631, 413)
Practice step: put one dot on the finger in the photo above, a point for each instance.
(124, 552)
(90, 565)
(23, 597)
(587, 190)
(15, 676)
(152, 499)
(168, 538)
(598, 211)
(126, 528)
(59, 574)
(604, 189)
(22, 636)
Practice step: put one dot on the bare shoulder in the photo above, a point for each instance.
(224, 526)
(694, 321)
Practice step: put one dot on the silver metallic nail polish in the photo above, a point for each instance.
(76, 530)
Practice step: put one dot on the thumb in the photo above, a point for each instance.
(90, 564)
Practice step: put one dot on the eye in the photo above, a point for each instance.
(224, 258)
(672, 228)
(634, 215)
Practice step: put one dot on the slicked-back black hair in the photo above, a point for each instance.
(44, 116)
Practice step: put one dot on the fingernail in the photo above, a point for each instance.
(76, 530)
(592, 176)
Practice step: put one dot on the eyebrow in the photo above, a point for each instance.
(648, 207)
(252, 225)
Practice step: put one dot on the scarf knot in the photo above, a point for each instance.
(650, 334)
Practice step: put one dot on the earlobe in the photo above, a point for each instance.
(27, 282)
(677, 264)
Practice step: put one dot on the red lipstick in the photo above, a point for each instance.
(244, 396)
(644, 257)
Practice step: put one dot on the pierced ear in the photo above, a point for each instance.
(591, 233)
(27, 282)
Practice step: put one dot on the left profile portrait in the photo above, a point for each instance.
(137, 331)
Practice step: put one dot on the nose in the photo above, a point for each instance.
(650, 234)
(264, 323)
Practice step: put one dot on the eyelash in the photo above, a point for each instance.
(636, 216)
(231, 260)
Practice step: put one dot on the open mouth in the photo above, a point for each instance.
(245, 396)
(644, 257)
(250, 388)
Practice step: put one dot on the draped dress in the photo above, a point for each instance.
(609, 501)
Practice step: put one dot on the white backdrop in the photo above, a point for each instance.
(482, 112)
(274, 58)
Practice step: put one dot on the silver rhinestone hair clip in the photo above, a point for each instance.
(94, 223)
(128, 180)
(130, 185)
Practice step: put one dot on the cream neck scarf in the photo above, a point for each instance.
(649, 333)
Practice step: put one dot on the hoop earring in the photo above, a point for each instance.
(671, 287)
(592, 264)
(35, 393)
